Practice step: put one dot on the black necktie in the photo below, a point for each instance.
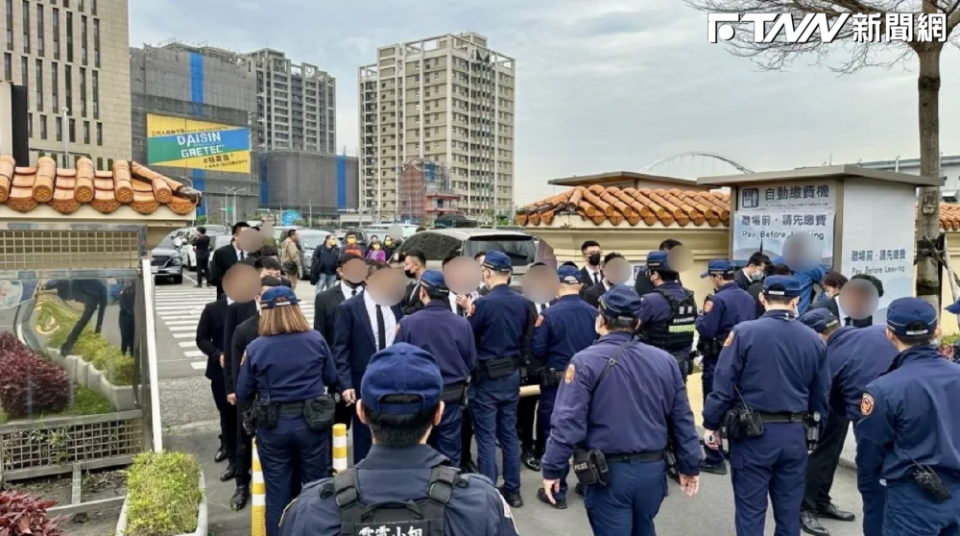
(847, 321)
(596, 278)
(381, 329)
(353, 292)
(242, 255)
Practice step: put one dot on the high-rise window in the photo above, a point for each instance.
(86, 132)
(56, 34)
(9, 13)
(83, 39)
(29, 124)
(80, 4)
(96, 43)
(43, 127)
(40, 22)
(55, 86)
(96, 94)
(83, 92)
(93, 7)
(26, 26)
(8, 67)
(68, 86)
(39, 77)
(24, 72)
(100, 137)
(73, 131)
(69, 36)
(58, 127)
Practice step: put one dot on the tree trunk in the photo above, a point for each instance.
(928, 215)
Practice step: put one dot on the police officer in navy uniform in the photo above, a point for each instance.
(668, 314)
(624, 399)
(400, 401)
(856, 357)
(909, 435)
(286, 368)
(449, 338)
(561, 331)
(727, 307)
(773, 368)
(500, 321)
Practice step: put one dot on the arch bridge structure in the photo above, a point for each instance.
(693, 164)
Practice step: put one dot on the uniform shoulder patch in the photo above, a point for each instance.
(539, 321)
(708, 306)
(867, 404)
(729, 340)
(571, 373)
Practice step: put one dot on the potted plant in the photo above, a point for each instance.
(25, 514)
(166, 496)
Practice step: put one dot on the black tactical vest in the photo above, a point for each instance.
(675, 334)
(402, 518)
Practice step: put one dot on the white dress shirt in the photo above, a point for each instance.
(842, 314)
(452, 299)
(348, 292)
(240, 253)
(389, 321)
(595, 275)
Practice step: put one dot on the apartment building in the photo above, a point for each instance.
(72, 56)
(296, 104)
(447, 99)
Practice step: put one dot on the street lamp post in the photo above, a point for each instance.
(235, 217)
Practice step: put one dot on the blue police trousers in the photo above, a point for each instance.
(285, 450)
(445, 437)
(712, 457)
(773, 464)
(548, 399)
(874, 497)
(910, 513)
(493, 404)
(627, 506)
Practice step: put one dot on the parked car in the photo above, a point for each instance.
(310, 240)
(165, 260)
(438, 244)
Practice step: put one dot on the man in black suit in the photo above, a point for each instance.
(245, 319)
(414, 264)
(363, 328)
(643, 284)
(755, 270)
(224, 258)
(856, 297)
(92, 293)
(593, 294)
(352, 271)
(590, 274)
(210, 341)
(201, 248)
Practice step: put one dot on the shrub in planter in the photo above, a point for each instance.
(22, 514)
(116, 366)
(162, 494)
(9, 342)
(89, 345)
(29, 384)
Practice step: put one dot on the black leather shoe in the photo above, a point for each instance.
(220, 455)
(713, 469)
(469, 467)
(530, 461)
(513, 499)
(832, 512)
(229, 474)
(578, 489)
(811, 525)
(240, 498)
(542, 497)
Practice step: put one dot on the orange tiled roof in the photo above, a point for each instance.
(950, 216)
(631, 205)
(65, 190)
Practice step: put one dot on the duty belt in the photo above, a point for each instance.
(453, 392)
(780, 418)
(637, 457)
(290, 409)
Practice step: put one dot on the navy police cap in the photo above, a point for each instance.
(272, 298)
(718, 267)
(434, 280)
(401, 369)
(569, 275)
(620, 302)
(787, 286)
(819, 320)
(908, 317)
(498, 262)
(657, 260)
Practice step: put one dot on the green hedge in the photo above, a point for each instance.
(162, 494)
(97, 350)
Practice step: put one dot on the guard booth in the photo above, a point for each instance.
(78, 366)
(863, 220)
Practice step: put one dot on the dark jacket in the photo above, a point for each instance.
(831, 305)
(593, 294)
(354, 343)
(325, 262)
(237, 313)
(742, 280)
(586, 278)
(210, 338)
(246, 332)
(202, 244)
(223, 259)
(411, 299)
(325, 310)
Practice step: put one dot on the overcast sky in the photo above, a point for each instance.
(602, 86)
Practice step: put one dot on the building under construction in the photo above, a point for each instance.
(426, 192)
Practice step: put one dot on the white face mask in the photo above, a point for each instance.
(596, 325)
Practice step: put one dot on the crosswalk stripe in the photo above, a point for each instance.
(188, 344)
(195, 353)
(199, 365)
(184, 335)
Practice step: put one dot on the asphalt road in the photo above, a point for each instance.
(190, 422)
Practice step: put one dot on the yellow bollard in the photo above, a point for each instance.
(339, 447)
(258, 521)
